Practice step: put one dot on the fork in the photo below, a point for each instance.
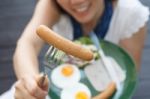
(51, 60)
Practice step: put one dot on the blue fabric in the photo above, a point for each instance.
(102, 26)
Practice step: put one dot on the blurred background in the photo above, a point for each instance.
(15, 14)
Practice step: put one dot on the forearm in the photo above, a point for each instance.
(25, 60)
(29, 44)
(134, 45)
(28, 47)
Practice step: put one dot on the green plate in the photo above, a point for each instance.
(122, 58)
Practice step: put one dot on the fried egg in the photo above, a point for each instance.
(78, 91)
(65, 75)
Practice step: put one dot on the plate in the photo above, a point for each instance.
(125, 62)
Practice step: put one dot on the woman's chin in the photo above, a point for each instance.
(84, 20)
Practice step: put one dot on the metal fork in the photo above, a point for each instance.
(52, 57)
(51, 60)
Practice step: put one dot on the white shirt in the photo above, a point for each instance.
(128, 17)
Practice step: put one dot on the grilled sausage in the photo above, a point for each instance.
(64, 44)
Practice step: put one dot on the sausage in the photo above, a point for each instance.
(64, 44)
(107, 92)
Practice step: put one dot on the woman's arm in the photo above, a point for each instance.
(134, 45)
(28, 47)
(29, 44)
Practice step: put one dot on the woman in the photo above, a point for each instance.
(119, 21)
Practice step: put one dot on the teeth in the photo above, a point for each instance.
(82, 8)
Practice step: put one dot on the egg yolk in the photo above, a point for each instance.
(67, 70)
(81, 95)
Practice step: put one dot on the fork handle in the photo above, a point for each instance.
(42, 82)
(64, 44)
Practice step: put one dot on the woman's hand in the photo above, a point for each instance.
(28, 88)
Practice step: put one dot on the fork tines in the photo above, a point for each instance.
(53, 57)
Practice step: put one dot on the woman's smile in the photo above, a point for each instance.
(84, 11)
(82, 8)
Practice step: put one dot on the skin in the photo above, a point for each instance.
(135, 45)
(88, 17)
(29, 44)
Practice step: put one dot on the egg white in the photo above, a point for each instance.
(70, 93)
(61, 81)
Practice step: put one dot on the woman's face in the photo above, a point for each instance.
(84, 11)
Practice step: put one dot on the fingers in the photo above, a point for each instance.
(43, 82)
(27, 88)
(34, 89)
(107, 92)
(21, 92)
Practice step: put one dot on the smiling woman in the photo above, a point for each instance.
(121, 22)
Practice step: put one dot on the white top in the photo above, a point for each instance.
(128, 17)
